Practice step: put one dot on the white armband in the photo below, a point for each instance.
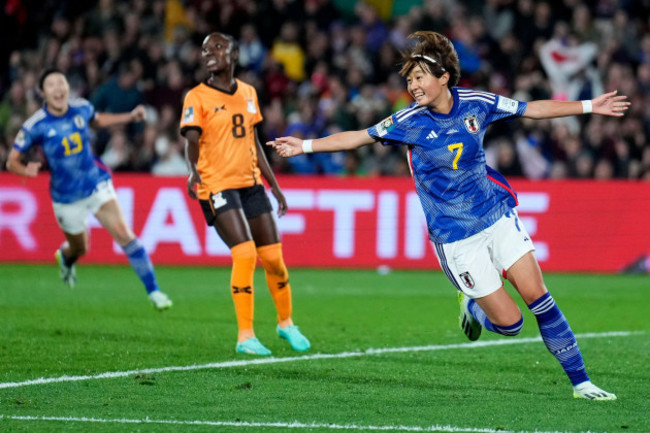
(586, 107)
(306, 146)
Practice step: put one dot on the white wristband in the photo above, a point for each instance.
(306, 146)
(586, 107)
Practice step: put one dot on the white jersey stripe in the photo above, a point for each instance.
(475, 93)
(411, 113)
(408, 112)
(475, 98)
(39, 115)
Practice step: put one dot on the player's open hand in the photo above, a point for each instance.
(286, 146)
(609, 104)
(32, 169)
(195, 178)
(138, 114)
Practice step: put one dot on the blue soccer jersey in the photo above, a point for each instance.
(65, 140)
(460, 194)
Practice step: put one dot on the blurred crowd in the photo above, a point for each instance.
(322, 66)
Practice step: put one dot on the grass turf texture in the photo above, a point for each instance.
(107, 324)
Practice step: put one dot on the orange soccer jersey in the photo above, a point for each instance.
(227, 146)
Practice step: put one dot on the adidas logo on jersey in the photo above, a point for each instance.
(432, 135)
(51, 132)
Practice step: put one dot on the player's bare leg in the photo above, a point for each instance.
(112, 219)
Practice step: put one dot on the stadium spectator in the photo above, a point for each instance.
(473, 224)
(226, 163)
(169, 162)
(79, 183)
(252, 52)
(289, 53)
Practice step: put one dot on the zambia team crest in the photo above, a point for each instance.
(471, 123)
(251, 106)
(467, 280)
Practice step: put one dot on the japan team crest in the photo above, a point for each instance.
(79, 121)
(471, 123)
(467, 280)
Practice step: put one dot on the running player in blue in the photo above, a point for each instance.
(469, 207)
(79, 182)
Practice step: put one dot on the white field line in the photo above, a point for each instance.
(294, 424)
(272, 360)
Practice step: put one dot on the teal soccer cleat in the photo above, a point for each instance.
(252, 346)
(292, 334)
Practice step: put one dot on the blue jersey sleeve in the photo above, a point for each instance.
(24, 139)
(394, 130)
(505, 108)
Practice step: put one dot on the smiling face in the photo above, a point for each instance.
(426, 88)
(218, 54)
(56, 91)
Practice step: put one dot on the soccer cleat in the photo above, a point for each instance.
(468, 324)
(589, 391)
(68, 273)
(252, 346)
(160, 300)
(292, 334)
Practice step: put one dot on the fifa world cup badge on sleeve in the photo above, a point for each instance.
(507, 105)
(20, 138)
(385, 126)
(188, 115)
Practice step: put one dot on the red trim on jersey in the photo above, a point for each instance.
(410, 161)
(504, 186)
(99, 163)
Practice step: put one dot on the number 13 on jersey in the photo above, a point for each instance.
(456, 147)
(75, 146)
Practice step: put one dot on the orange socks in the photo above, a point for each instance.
(277, 278)
(241, 285)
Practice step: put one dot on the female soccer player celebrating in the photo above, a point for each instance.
(469, 207)
(79, 182)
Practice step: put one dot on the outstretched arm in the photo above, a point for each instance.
(292, 146)
(607, 104)
(104, 120)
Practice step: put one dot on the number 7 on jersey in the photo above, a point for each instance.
(453, 147)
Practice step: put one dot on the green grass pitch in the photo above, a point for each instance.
(106, 324)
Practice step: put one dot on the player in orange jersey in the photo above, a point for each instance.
(226, 165)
